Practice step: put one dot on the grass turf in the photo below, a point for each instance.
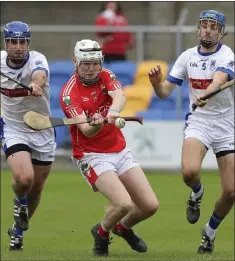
(60, 229)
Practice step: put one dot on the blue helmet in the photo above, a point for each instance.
(213, 15)
(217, 17)
(16, 29)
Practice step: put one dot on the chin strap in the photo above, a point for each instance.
(207, 44)
(89, 82)
(18, 61)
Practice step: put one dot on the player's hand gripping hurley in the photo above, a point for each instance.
(212, 94)
(39, 122)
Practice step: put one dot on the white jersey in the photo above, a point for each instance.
(13, 109)
(199, 68)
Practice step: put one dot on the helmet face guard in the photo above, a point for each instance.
(211, 28)
(17, 41)
(89, 61)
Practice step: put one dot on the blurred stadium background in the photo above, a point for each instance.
(163, 30)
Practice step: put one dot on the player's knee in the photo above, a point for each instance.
(23, 179)
(189, 174)
(151, 207)
(229, 195)
(124, 206)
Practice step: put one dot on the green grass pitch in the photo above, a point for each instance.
(60, 229)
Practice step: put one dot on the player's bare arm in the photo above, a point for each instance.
(119, 102)
(92, 128)
(162, 89)
(39, 79)
(219, 79)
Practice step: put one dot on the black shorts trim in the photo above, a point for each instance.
(23, 147)
(41, 163)
(223, 153)
(16, 148)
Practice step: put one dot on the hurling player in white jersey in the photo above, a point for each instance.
(29, 153)
(207, 66)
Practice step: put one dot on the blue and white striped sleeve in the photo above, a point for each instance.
(39, 62)
(227, 65)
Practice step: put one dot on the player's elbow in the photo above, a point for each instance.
(163, 90)
(163, 94)
(122, 98)
(123, 101)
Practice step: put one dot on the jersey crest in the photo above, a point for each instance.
(67, 100)
(212, 65)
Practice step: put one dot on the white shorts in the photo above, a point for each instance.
(92, 165)
(41, 143)
(216, 132)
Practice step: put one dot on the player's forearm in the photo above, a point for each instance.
(39, 78)
(91, 131)
(217, 82)
(161, 90)
(119, 101)
(212, 87)
(219, 79)
(86, 129)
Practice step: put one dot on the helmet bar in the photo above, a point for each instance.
(90, 50)
(211, 19)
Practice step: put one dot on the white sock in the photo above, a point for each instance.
(198, 194)
(210, 231)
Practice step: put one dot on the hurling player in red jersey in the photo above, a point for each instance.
(100, 152)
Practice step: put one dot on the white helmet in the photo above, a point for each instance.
(88, 51)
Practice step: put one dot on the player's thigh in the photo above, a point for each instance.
(112, 188)
(139, 188)
(193, 153)
(197, 140)
(21, 166)
(41, 172)
(223, 136)
(223, 147)
(226, 167)
(18, 156)
(99, 171)
(135, 181)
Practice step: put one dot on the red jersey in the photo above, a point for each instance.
(121, 40)
(77, 98)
